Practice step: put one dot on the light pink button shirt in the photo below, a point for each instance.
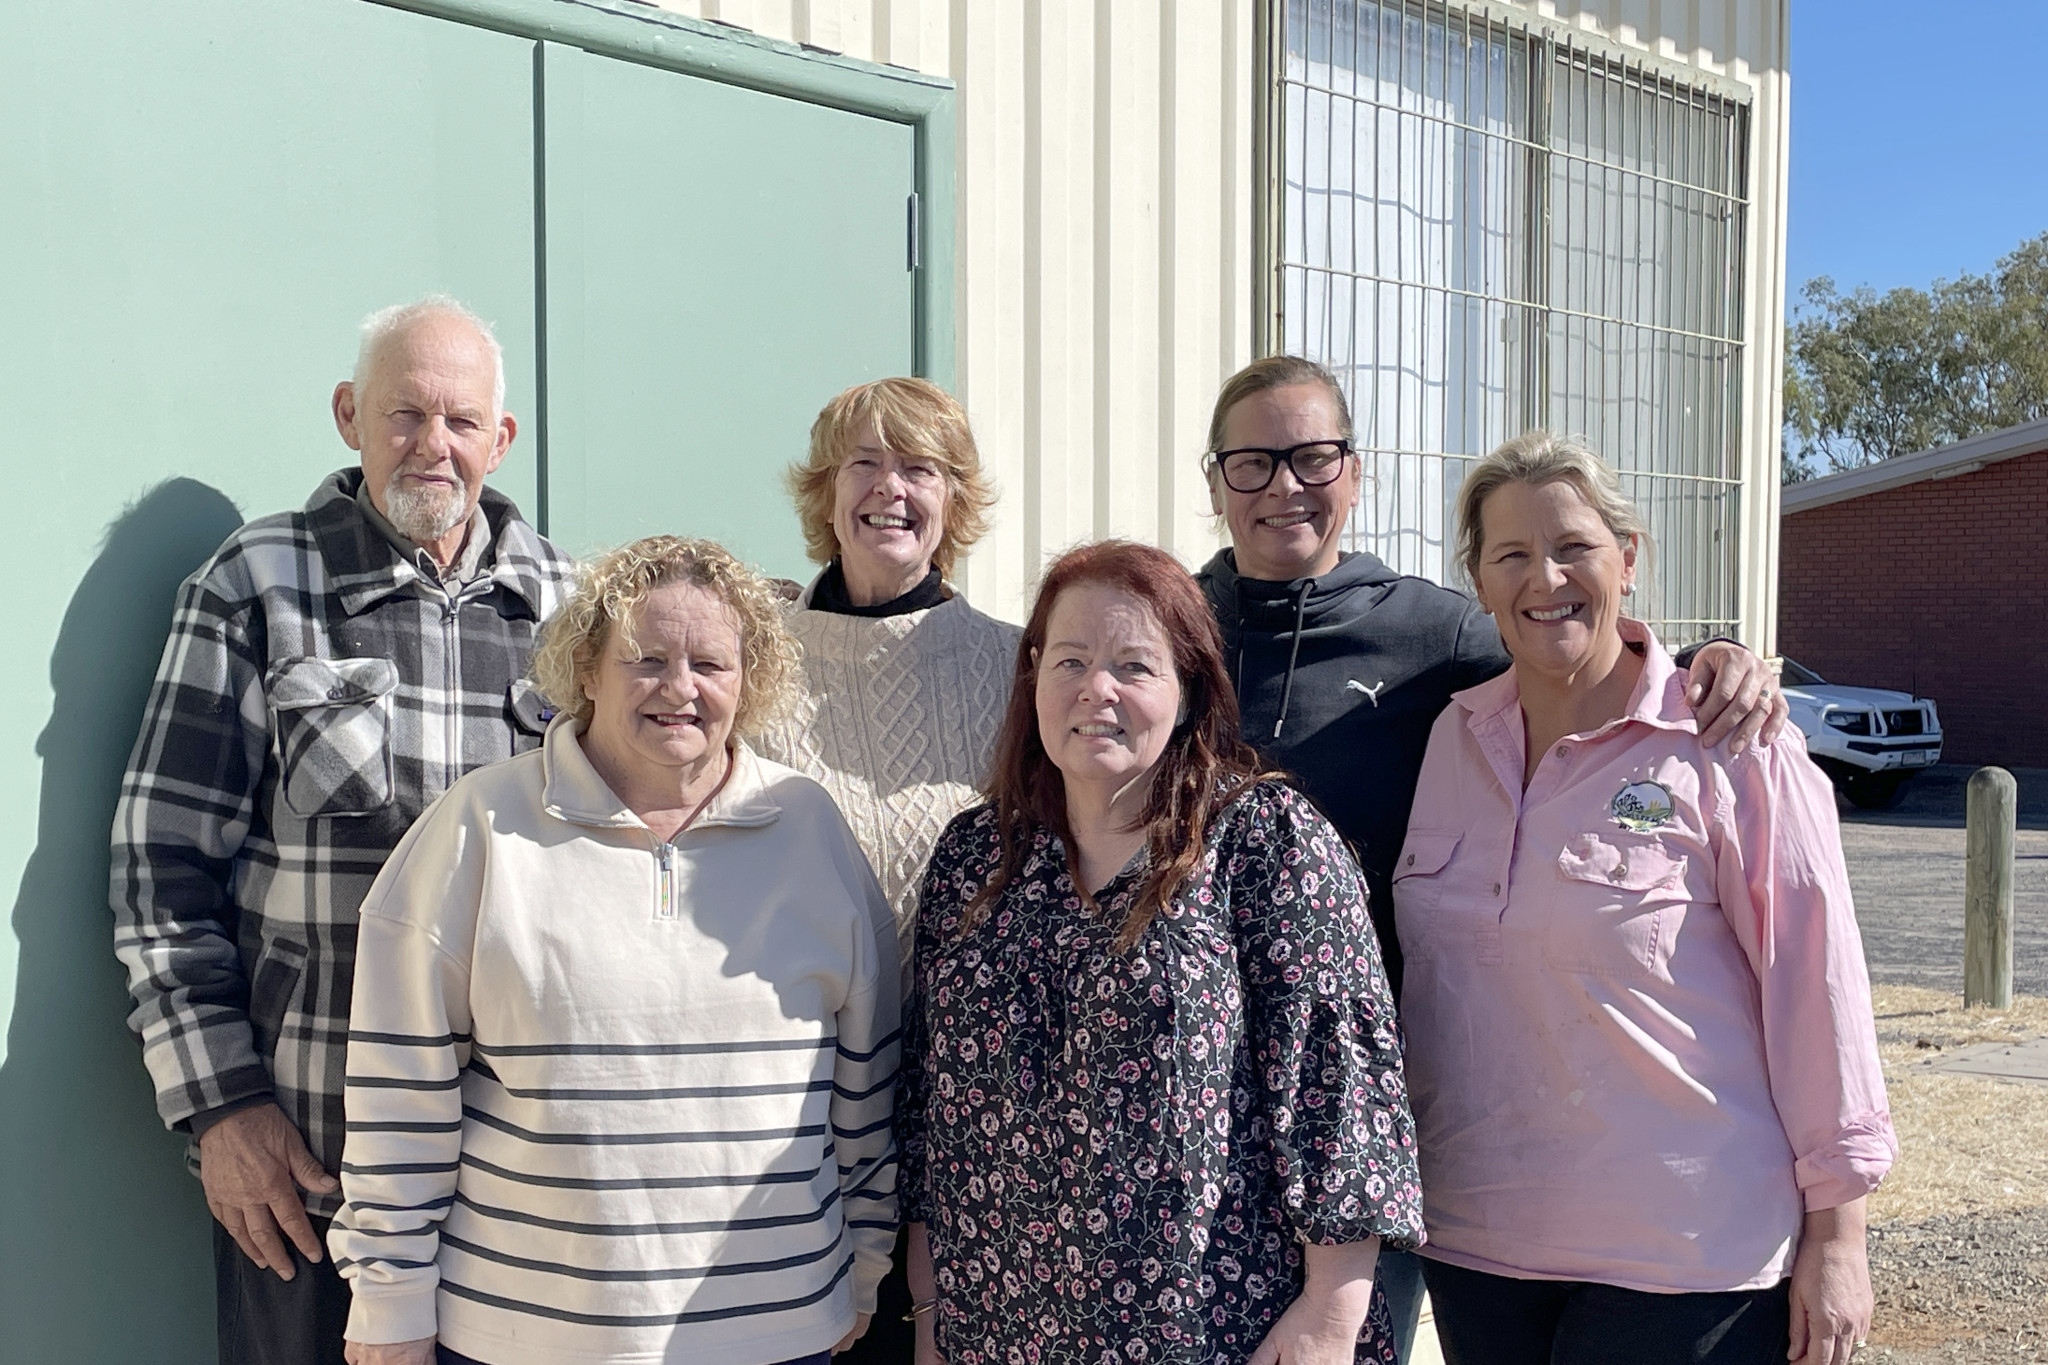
(1636, 1054)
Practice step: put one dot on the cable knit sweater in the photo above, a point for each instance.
(897, 721)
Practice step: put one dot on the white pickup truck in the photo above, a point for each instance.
(1868, 740)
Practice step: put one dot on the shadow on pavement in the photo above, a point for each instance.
(1935, 800)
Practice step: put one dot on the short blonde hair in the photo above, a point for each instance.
(1541, 457)
(916, 417)
(609, 595)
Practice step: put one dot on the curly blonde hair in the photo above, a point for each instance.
(914, 416)
(609, 595)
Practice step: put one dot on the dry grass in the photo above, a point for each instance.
(1968, 1144)
(1957, 1227)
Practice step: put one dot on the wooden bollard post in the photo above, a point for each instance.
(1993, 816)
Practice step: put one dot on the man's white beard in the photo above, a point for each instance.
(424, 515)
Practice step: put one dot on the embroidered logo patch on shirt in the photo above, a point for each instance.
(1642, 806)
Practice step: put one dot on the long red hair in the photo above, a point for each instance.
(1207, 763)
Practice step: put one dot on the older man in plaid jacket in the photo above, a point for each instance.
(330, 672)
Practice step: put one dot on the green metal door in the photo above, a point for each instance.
(197, 203)
(719, 262)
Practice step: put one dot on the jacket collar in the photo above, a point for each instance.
(1658, 699)
(365, 567)
(572, 791)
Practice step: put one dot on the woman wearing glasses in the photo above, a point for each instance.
(1342, 664)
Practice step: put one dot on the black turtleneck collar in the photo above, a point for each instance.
(831, 595)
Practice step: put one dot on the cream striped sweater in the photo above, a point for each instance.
(611, 1099)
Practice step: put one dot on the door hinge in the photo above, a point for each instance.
(916, 252)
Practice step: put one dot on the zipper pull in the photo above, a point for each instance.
(664, 904)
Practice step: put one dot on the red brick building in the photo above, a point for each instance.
(1929, 573)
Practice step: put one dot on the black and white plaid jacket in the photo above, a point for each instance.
(317, 693)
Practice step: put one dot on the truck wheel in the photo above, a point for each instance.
(1872, 791)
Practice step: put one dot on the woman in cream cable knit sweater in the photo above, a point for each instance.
(905, 683)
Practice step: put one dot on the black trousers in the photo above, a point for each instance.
(1486, 1319)
(263, 1320)
(889, 1339)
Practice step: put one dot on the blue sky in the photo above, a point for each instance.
(1919, 138)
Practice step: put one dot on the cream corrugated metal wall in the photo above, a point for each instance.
(1105, 250)
(1106, 244)
(1744, 41)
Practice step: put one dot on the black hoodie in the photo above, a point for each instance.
(1340, 679)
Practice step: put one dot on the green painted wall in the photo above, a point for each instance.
(720, 262)
(194, 216)
(197, 203)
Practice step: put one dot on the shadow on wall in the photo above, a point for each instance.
(105, 1253)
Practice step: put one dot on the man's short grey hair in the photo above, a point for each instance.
(386, 323)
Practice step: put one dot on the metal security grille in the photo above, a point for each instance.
(1484, 227)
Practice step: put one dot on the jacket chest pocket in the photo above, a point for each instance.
(529, 711)
(332, 719)
(1618, 908)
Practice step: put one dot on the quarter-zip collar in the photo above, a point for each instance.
(572, 791)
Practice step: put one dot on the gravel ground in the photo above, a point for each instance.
(1906, 868)
(1954, 1288)
(1959, 1233)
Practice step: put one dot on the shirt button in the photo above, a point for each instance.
(1617, 874)
(1563, 752)
(336, 693)
(1411, 860)
(1496, 888)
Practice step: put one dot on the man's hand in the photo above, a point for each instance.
(860, 1328)
(419, 1352)
(1831, 1299)
(1732, 693)
(252, 1164)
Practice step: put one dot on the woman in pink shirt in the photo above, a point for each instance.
(1640, 1049)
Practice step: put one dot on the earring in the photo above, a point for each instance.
(1628, 590)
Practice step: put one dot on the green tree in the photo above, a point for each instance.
(1869, 376)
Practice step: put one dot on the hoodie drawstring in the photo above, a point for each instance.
(1293, 652)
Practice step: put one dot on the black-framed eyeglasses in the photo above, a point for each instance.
(1248, 469)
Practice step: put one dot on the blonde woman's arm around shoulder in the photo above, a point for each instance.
(1785, 891)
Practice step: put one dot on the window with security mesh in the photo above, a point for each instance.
(1485, 227)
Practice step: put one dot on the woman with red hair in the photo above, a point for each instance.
(1152, 1105)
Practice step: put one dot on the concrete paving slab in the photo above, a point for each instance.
(2001, 1061)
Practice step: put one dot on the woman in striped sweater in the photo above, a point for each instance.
(625, 1028)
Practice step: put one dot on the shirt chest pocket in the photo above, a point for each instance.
(1424, 875)
(1619, 905)
(332, 719)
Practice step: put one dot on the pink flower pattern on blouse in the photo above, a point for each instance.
(1119, 1155)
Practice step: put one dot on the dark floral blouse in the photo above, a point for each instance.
(1118, 1155)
